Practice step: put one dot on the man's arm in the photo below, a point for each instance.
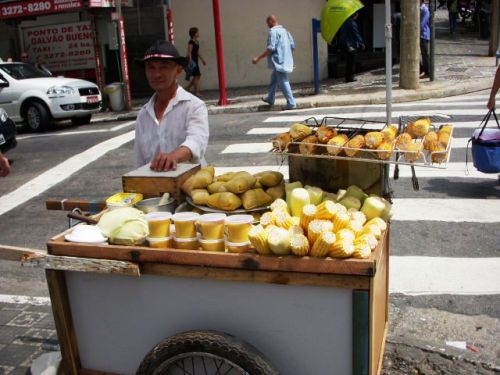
(494, 90)
(266, 53)
(4, 166)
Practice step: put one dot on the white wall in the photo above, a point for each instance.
(244, 33)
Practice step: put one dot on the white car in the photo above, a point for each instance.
(31, 96)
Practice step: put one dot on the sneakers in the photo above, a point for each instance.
(290, 108)
(424, 75)
(265, 100)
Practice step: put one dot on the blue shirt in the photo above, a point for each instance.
(425, 30)
(280, 43)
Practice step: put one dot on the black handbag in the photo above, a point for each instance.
(486, 146)
(7, 133)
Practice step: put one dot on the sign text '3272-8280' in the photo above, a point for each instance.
(35, 7)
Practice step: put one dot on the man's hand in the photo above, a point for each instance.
(164, 162)
(255, 60)
(4, 166)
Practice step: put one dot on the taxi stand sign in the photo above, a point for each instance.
(37, 7)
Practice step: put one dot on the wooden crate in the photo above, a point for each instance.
(153, 184)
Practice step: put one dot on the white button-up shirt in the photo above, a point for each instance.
(184, 123)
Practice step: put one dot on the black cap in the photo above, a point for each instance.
(163, 50)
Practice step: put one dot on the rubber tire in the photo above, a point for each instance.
(43, 114)
(82, 120)
(213, 342)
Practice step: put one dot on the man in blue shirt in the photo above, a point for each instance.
(425, 36)
(279, 53)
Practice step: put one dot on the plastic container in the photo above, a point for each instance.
(212, 226)
(239, 247)
(153, 205)
(114, 91)
(237, 227)
(186, 243)
(159, 224)
(213, 245)
(185, 224)
(119, 200)
(160, 242)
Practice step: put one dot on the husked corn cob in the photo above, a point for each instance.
(323, 244)
(324, 134)
(279, 205)
(374, 139)
(354, 145)
(357, 215)
(295, 220)
(267, 218)
(367, 238)
(379, 222)
(299, 244)
(342, 249)
(283, 219)
(340, 221)
(345, 234)
(413, 151)
(361, 251)
(340, 207)
(390, 133)
(384, 150)
(296, 229)
(326, 210)
(258, 238)
(299, 131)
(402, 140)
(316, 227)
(308, 214)
(443, 137)
(410, 129)
(281, 141)
(270, 227)
(438, 152)
(307, 146)
(429, 138)
(421, 127)
(335, 144)
(355, 226)
(446, 128)
(371, 229)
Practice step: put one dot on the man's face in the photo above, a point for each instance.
(162, 74)
(24, 58)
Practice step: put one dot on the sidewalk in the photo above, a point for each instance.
(461, 66)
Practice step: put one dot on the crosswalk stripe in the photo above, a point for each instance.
(449, 210)
(379, 114)
(415, 275)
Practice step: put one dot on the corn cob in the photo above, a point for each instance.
(299, 244)
(355, 226)
(279, 204)
(361, 252)
(429, 138)
(390, 133)
(357, 215)
(379, 222)
(281, 141)
(325, 133)
(443, 137)
(296, 229)
(283, 219)
(345, 234)
(342, 249)
(384, 151)
(403, 139)
(335, 144)
(326, 210)
(267, 218)
(308, 214)
(340, 221)
(446, 128)
(413, 151)
(356, 143)
(258, 238)
(438, 152)
(421, 127)
(374, 139)
(316, 227)
(367, 238)
(308, 145)
(299, 131)
(323, 244)
(371, 229)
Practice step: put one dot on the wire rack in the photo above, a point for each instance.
(352, 127)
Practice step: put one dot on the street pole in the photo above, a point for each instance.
(432, 44)
(123, 55)
(410, 45)
(220, 54)
(388, 63)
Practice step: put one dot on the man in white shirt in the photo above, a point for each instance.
(173, 126)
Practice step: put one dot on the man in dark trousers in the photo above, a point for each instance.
(351, 41)
(425, 37)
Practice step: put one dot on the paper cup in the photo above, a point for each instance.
(239, 247)
(212, 226)
(213, 245)
(186, 243)
(159, 242)
(185, 224)
(159, 224)
(237, 227)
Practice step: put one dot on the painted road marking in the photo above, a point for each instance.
(60, 172)
(119, 127)
(38, 301)
(450, 210)
(415, 275)
(248, 148)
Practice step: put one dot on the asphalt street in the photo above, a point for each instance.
(451, 221)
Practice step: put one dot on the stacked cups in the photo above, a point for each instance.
(212, 231)
(186, 237)
(159, 229)
(237, 227)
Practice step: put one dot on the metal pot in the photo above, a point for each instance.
(152, 205)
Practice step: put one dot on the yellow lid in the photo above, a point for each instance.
(125, 199)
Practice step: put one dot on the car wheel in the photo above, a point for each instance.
(37, 117)
(82, 120)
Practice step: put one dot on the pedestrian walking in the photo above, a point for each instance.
(4, 166)
(351, 42)
(425, 37)
(172, 127)
(494, 90)
(194, 58)
(452, 15)
(279, 53)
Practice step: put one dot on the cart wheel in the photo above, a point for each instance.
(205, 353)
